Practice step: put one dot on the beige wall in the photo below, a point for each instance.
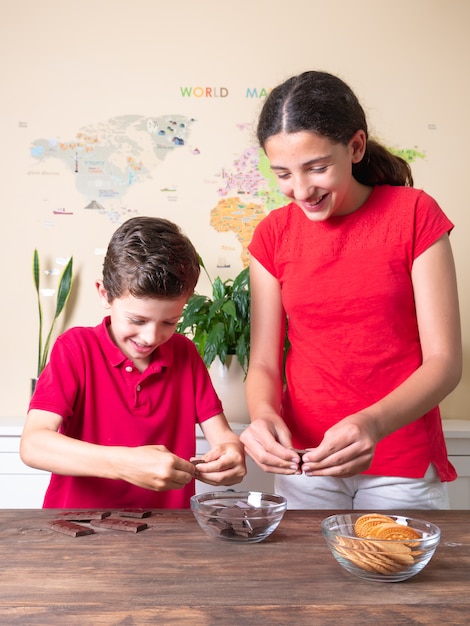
(65, 65)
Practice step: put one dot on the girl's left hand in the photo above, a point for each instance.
(224, 464)
(347, 449)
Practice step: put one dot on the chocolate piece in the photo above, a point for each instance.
(69, 528)
(301, 454)
(197, 461)
(135, 513)
(85, 516)
(232, 521)
(114, 523)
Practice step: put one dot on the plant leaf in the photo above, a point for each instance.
(228, 307)
(214, 343)
(63, 292)
(218, 289)
(36, 274)
(64, 289)
(36, 270)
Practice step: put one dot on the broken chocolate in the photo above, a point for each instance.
(114, 523)
(85, 516)
(301, 454)
(232, 521)
(135, 513)
(70, 528)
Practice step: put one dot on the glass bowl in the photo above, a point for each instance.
(388, 560)
(243, 516)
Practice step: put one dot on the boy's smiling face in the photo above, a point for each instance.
(139, 325)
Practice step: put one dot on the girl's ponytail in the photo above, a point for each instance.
(380, 167)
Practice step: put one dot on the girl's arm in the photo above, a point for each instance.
(267, 439)
(348, 447)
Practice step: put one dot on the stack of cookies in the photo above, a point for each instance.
(381, 545)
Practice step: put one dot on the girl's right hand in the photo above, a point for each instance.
(269, 444)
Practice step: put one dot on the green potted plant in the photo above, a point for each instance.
(219, 324)
(63, 292)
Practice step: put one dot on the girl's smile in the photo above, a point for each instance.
(314, 206)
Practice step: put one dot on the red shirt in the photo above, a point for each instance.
(105, 400)
(347, 291)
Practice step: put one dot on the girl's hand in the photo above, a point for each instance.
(224, 464)
(269, 444)
(347, 449)
(154, 467)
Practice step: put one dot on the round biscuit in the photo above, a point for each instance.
(364, 523)
(395, 532)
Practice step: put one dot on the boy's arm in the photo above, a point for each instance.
(44, 448)
(151, 467)
(217, 430)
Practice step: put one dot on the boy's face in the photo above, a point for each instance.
(140, 325)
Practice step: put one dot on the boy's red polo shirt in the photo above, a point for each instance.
(105, 400)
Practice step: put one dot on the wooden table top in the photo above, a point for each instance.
(172, 574)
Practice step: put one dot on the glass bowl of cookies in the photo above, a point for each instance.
(381, 547)
(242, 516)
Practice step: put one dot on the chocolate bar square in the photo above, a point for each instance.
(113, 523)
(69, 528)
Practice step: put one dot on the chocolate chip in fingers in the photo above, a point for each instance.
(301, 454)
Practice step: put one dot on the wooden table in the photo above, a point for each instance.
(172, 574)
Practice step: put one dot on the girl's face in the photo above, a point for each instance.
(140, 325)
(317, 173)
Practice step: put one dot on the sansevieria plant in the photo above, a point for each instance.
(63, 292)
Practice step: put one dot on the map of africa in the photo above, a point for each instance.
(110, 158)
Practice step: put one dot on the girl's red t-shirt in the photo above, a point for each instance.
(347, 291)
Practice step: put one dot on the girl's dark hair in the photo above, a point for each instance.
(150, 258)
(323, 104)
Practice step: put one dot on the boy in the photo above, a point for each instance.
(114, 412)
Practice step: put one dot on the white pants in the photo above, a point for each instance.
(363, 492)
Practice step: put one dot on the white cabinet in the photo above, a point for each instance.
(457, 433)
(22, 487)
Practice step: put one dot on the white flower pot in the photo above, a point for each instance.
(229, 382)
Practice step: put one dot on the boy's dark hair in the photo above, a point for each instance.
(150, 257)
(323, 104)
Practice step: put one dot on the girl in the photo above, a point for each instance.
(359, 268)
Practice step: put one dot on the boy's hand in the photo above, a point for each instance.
(224, 464)
(154, 467)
